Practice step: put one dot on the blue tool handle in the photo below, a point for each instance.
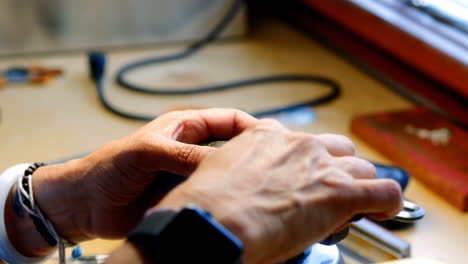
(394, 173)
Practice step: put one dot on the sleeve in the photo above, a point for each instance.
(7, 252)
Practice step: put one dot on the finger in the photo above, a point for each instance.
(358, 168)
(378, 198)
(165, 154)
(181, 158)
(337, 145)
(183, 108)
(196, 126)
(227, 123)
(270, 125)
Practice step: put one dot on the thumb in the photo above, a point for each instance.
(181, 158)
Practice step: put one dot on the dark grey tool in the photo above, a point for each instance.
(335, 237)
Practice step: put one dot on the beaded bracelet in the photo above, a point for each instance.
(43, 225)
(40, 226)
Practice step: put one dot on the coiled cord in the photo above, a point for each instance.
(97, 62)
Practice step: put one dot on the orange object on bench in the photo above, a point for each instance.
(429, 147)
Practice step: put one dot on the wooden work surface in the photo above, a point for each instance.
(64, 118)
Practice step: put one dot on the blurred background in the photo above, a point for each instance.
(67, 25)
(402, 64)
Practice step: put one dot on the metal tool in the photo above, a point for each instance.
(411, 213)
(368, 242)
(318, 254)
(97, 259)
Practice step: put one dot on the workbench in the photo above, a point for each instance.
(64, 118)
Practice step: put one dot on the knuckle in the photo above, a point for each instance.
(309, 140)
(345, 144)
(171, 114)
(140, 144)
(343, 139)
(344, 193)
(310, 143)
(348, 144)
(363, 168)
(187, 124)
(179, 115)
(135, 149)
(187, 156)
(240, 115)
(269, 123)
(268, 126)
(235, 111)
(326, 163)
(368, 168)
(336, 178)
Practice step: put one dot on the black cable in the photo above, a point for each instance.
(97, 62)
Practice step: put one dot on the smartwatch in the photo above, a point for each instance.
(190, 235)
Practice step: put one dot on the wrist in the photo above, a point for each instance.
(163, 234)
(239, 226)
(62, 200)
(21, 230)
(13, 231)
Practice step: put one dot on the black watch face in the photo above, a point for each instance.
(190, 236)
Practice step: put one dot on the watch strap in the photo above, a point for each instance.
(190, 235)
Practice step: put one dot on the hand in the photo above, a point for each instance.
(106, 193)
(281, 191)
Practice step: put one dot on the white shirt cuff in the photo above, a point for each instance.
(7, 252)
